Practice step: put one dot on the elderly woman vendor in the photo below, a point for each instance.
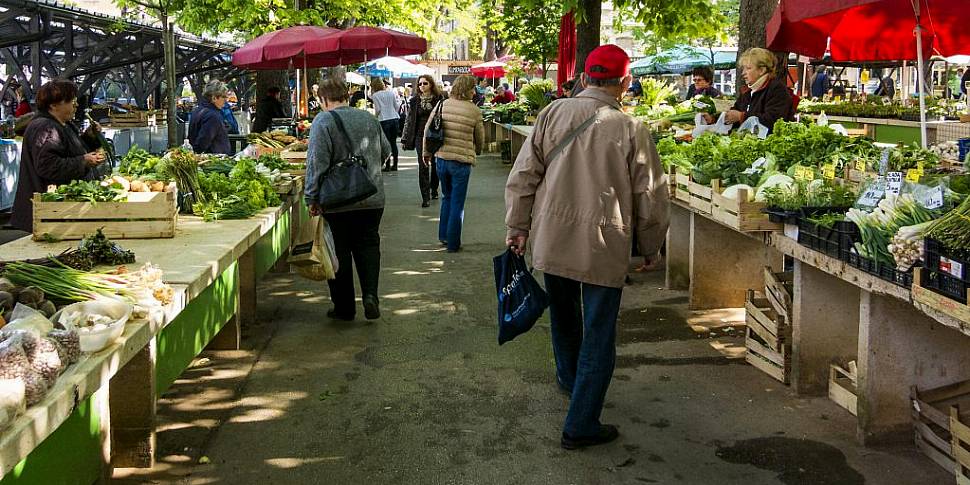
(207, 132)
(54, 151)
(767, 97)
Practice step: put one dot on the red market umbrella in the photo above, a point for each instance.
(872, 30)
(567, 50)
(489, 70)
(359, 44)
(276, 50)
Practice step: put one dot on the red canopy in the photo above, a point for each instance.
(359, 44)
(276, 50)
(869, 30)
(489, 70)
(567, 49)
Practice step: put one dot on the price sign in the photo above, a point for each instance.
(828, 171)
(860, 165)
(872, 195)
(804, 174)
(919, 167)
(884, 162)
(894, 182)
(933, 198)
(912, 175)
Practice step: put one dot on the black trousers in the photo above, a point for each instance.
(357, 240)
(427, 175)
(390, 128)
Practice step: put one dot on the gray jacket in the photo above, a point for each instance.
(327, 146)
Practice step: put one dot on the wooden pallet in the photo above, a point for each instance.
(767, 338)
(779, 288)
(961, 445)
(937, 301)
(144, 215)
(933, 422)
(842, 389)
(739, 214)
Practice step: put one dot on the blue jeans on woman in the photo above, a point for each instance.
(583, 319)
(454, 187)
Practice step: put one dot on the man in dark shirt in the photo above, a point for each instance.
(268, 108)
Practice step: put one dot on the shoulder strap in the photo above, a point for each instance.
(343, 131)
(572, 135)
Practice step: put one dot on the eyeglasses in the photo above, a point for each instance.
(424, 84)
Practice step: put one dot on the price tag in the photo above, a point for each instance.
(933, 198)
(884, 162)
(872, 195)
(912, 175)
(894, 182)
(828, 171)
(804, 174)
(860, 165)
(919, 167)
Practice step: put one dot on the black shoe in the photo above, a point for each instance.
(443, 243)
(371, 309)
(394, 168)
(332, 313)
(434, 195)
(425, 203)
(454, 250)
(607, 433)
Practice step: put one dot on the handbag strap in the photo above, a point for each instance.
(437, 115)
(572, 136)
(343, 131)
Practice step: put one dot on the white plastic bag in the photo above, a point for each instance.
(13, 400)
(721, 126)
(26, 318)
(753, 124)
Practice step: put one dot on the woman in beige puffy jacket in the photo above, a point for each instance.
(464, 138)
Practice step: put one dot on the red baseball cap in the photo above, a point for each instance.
(607, 62)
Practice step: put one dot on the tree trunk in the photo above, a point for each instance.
(489, 54)
(754, 16)
(174, 88)
(268, 79)
(587, 31)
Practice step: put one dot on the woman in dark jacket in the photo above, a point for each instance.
(419, 111)
(54, 151)
(767, 97)
(207, 132)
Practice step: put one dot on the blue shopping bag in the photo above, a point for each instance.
(521, 300)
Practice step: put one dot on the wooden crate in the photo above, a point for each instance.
(740, 214)
(261, 150)
(779, 288)
(937, 301)
(767, 338)
(933, 423)
(143, 215)
(842, 389)
(679, 183)
(293, 157)
(961, 445)
(284, 187)
(700, 196)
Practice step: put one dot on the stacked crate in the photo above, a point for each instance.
(768, 332)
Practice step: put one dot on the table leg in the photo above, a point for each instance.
(724, 264)
(230, 336)
(825, 327)
(901, 347)
(517, 141)
(678, 249)
(132, 403)
(101, 400)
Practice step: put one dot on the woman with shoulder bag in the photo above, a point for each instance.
(342, 136)
(420, 107)
(464, 138)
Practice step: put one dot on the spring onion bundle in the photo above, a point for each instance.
(953, 229)
(878, 227)
(67, 284)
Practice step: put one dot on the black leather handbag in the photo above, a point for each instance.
(346, 181)
(434, 136)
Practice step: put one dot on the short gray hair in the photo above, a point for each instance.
(603, 83)
(214, 88)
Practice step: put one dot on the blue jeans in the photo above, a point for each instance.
(584, 342)
(454, 187)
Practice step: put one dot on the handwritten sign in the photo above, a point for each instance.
(804, 174)
(912, 175)
(828, 171)
(894, 182)
(860, 165)
(933, 198)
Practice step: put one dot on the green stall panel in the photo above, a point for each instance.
(185, 337)
(272, 245)
(897, 134)
(69, 456)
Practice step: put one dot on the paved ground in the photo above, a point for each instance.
(426, 396)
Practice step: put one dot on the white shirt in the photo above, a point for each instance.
(386, 105)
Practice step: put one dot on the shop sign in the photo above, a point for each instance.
(459, 69)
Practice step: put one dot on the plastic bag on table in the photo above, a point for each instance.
(521, 301)
(721, 126)
(13, 400)
(70, 342)
(753, 125)
(26, 318)
(15, 365)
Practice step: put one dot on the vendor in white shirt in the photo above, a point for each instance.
(387, 107)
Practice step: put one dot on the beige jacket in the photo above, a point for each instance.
(580, 209)
(464, 131)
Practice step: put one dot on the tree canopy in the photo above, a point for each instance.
(529, 27)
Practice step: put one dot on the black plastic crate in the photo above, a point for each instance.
(945, 285)
(890, 273)
(836, 241)
(865, 264)
(939, 259)
(782, 216)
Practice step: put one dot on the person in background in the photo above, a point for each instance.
(207, 128)
(54, 151)
(581, 238)
(464, 140)
(232, 126)
(887, 87)
(268, 108)
(703, 83)
(479, 98)
(767, 98)
(965, 82)
(821, 83)
(23, 105)
(387, 108)
(567, 88)
(8, 98)
(313, 101)
(357, 94)
(356, 227)
(636, 89)
(503, 95)
(427, 96)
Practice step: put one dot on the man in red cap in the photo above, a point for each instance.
(586, 178)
